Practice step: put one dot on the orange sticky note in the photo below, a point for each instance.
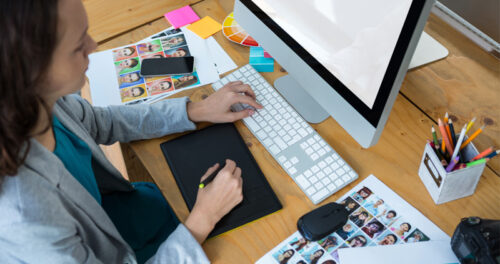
(205, 27)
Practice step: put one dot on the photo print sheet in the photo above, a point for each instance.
(114, 75)
(378, 217)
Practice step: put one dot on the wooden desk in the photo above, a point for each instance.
(466, 83)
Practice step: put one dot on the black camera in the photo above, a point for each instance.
(477, 240)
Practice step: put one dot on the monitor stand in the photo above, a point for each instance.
(428, 50)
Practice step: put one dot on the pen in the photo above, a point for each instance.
(469, 125)
(446, 140)
(460, 139)
(452, 164)
(211, 177)
(452, 131)
(482, 154)
(477, 162)
(473, 136)
(448, 128)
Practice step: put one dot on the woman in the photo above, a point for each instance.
(373, 229)
(60, 198)
(158, 87)
(285, 256)
(180, 52)
(129, 79)
(389, 217)
(128, 94)
(314, 258)
(360, 218)
(126, 64)
(329, 242)
(148, 47)
(300, 244)
(123, 53)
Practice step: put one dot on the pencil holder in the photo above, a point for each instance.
(447, 186)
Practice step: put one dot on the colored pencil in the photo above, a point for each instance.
(469, 125)
(446, 140)
(482, 154)
(438, 153)
(453, 136)
(434, 136)
(477, 162)
(493, 154)
(460, 166)
(448, 132)
(459, 141)
(473, 136)
(452, 164)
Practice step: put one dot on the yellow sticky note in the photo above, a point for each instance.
(205, 27)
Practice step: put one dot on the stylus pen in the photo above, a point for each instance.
(211, 177)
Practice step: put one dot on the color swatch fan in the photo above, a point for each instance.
(236, 33)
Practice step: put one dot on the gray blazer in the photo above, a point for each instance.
(46, 215)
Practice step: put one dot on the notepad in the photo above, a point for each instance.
(205, 27)
(182, 16)
(191, 155)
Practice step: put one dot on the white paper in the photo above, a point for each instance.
(435, 252)
(358, 231)
(223, 62)
(107, 90)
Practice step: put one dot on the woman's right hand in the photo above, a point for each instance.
(215, 200)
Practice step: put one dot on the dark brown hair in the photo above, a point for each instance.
(28, 37)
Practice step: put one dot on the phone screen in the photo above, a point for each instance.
(167, 66)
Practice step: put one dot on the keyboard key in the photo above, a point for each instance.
(346, 177)
(287, 138)
(274, 149)
(251, 124)
(315, 146)
(217, 85)
(331, 187)
(310, 190)
(282, 159)
(321, 152)
(340, 162)
(334, 166)
(294, 160)
(261, 134)
(322, 143)
(318, 185)
(281, 133)
(314, 156)
(327, 170)
(329, 160)
(335, 156)
(320, 174)
(302, 181)
(309, 151)
(310, 141)
(280, 143)
(340, 171)
(338, 182)
(320, 195)
(267, 142)
(313, 179)
(302, 132)
(352, 174)
(304, 145)
(287, 164)
(237, 74)
(273, 134)
(325, 181)
(321, 164)
(317, 138)
(314, 169)
(292, 170)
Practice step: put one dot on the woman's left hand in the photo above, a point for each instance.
(217, 107)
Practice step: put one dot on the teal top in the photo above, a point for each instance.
(76, 157)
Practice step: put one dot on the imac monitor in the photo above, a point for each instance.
(344, 58)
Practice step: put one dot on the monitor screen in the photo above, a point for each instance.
(353, 40)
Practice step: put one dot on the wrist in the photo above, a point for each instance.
(194, 111)
(199, 224)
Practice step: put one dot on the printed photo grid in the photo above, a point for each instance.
(136, 89)
(371, 222)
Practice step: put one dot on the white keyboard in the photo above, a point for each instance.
(316, 168)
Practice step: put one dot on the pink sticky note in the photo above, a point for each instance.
(267, 55)
(182, 16)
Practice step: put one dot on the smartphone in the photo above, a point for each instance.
(167, 66)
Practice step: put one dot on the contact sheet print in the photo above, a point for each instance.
(378, 217)
(115, 74)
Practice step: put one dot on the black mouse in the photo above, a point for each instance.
(322, 221)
